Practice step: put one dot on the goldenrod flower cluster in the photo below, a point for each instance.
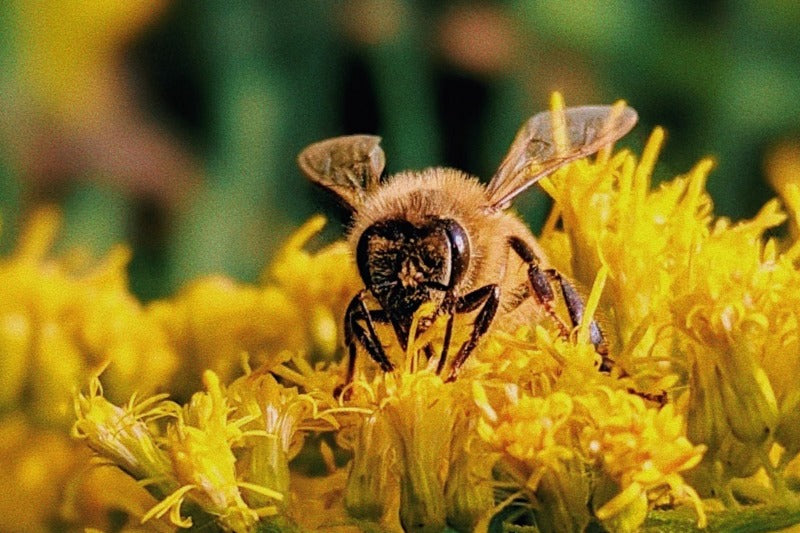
(62, 318)
(695, 425)
(298, 307)
(226, 451)
(700, 306)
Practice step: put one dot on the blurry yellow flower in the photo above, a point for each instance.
(214, 320)
(299, 307)
(783, 171)
(320, 283)
(69, 51)
(35, 466)
(61, 318)
(97, 495)
(326, 277)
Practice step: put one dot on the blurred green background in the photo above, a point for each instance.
(174, 125)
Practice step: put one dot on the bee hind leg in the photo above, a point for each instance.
(575, 308)
(541, 282)
(357, 312)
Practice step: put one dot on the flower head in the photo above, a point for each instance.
(122, 434)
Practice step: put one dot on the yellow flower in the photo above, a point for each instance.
(320, 283)
(299, 307)
(36, 465)
(214, 320)
(644, 238)
(469, 488)
(200, 445)
(60, 319)
(194, 458)
(642, 449)
(691, 301)
(371, 481)
(122, 434)
(68, 53)
(537, 439)
(783, 171)
(279, 417)
(550, 444)
(739, 308)
(225, 454)
(403, 444)
(421, 415)
(418, 441)
(97, 495)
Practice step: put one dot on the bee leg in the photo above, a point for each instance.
(356, 313)
(540, 282)
(448, 334)
(401, 332)
(489, 297)
(575, 308)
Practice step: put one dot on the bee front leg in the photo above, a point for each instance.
(489, 297)
(356, 313)
(448, 335)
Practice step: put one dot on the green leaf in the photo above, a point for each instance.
(744, 520)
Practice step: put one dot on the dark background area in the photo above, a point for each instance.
(174, 126)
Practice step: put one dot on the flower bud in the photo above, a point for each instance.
(468, 491)
(421, 415)
(370, 481)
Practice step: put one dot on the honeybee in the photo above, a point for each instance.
(439, 235)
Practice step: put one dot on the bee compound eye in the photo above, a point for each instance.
(459, 250)
(362, 255)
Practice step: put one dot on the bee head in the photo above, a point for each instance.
(405, 265)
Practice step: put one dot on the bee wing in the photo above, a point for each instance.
(535, 152)
(350, 166)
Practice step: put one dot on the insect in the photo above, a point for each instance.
(439, 235)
